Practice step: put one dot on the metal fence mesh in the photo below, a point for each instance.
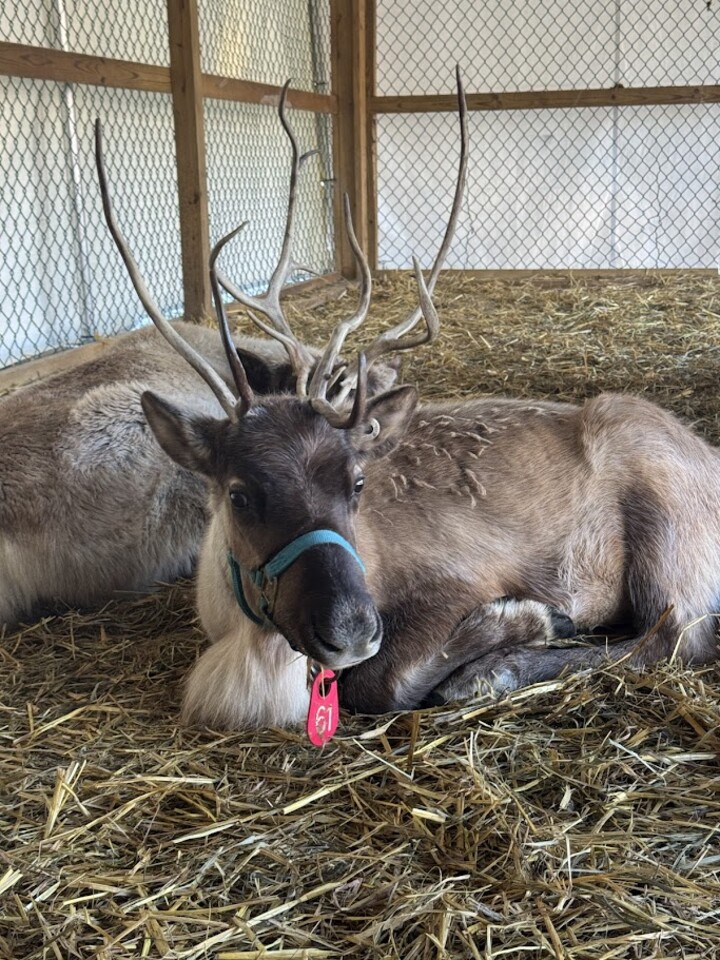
(61, 278)
(601, 187)
(248, 157)
(132, 30)
(615, 187)
(549, 45)
(268, 41)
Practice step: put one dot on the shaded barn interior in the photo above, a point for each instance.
(576, 820)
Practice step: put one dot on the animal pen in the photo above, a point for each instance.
(577, 819)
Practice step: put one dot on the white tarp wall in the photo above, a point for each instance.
(609, 187)
(61, 279)
(267, 41)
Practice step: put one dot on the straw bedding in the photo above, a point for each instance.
(578, 819)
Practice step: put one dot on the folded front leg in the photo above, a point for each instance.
(422, 649)
(503, 670)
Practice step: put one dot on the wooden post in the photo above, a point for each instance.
(370, 121)
(351, 84)
(186, 82)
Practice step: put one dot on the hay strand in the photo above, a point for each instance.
(576, 820)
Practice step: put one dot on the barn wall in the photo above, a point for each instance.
(61, 279)
(245, 143)
(610, 187)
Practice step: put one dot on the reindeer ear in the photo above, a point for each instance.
(263, 377)
(383, 376)
(190, 440)
(387, 419)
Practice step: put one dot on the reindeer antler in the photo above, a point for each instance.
(324, 370)
(268, 304)
(238, 370)
(396, 339)
(199, 364)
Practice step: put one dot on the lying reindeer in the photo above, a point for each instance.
(375, 539)
(89, 503)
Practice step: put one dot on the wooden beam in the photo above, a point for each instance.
(186, 81)
(370, 123)
(548, 99)
(246, 91)
(42, 63)
(45, 63)
(349, 56)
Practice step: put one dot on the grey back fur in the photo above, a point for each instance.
(89, 503)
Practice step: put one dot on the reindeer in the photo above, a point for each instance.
(89, 504)
(376, 538)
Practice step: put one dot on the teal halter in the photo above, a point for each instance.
(265, 578)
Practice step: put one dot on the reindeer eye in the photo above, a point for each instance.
(238, 499)
(359, 484)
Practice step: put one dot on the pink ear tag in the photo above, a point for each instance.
(323, 713)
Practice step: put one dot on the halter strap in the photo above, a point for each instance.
(267, 575)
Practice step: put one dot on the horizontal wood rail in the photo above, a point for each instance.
(46, 63)
(548, 99)
(246, 91)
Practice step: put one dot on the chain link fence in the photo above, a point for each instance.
(267, 42)
(579, 187)
(61, 278)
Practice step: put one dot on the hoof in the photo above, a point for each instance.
(562, 626)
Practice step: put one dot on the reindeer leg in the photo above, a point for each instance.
(501, 672)
(672, 586)
(411, 662)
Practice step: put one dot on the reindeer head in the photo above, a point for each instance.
(283, 478)
(286, 474)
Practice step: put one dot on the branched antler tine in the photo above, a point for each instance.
(325, 367)
(301, 360)
(346, 421)
(252, 303)
(304, 268)
(300, 357)
(238, 371)
(269, 303)
(391, 341)
(427, 307)
(358, 411)
(384, 341)
(272, 311)
(280, 330)
(282, 269)
(199, 364)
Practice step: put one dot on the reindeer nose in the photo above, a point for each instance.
(343, 640)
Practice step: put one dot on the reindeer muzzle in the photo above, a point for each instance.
(266, 577)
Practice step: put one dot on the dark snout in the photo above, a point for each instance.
(325, 610)
(343, 634)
